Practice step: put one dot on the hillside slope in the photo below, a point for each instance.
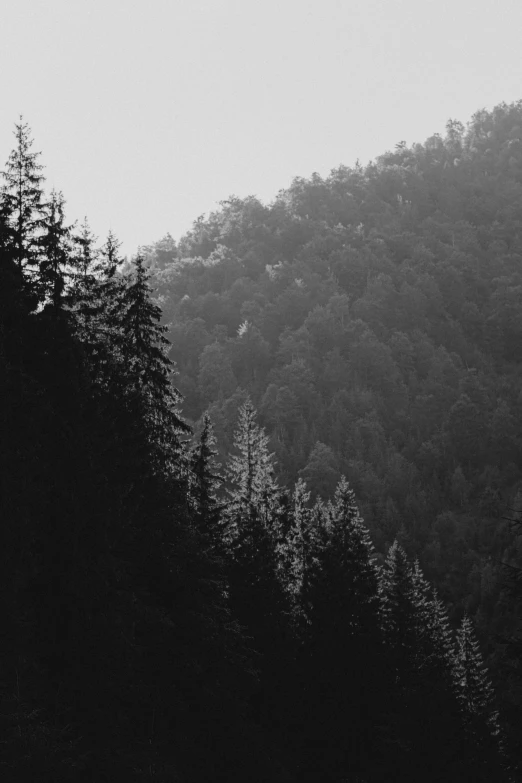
(375, 318)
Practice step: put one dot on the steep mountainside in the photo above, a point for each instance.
(375, 319)
(180, 609)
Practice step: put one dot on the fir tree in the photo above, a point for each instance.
(22, 195)
(108, 260)
(474, 688)
(82, 289)
(257, 597)
(294, 551)
(347, 562)
(55, 255)
(148, 371)
(397, 611)
(344, 644)
(437, 732)
(98, 298)
(484, 749)
(204, 483)
(254, 491)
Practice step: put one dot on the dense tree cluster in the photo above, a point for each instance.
(180, 609)
(373, 316)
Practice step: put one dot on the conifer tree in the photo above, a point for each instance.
(55, 251)
(294, 551)
(14, 297)
(98, 299)
(403, 608)
(108, 259)
(437, 732)
(397, 611)
(433, 642)
(22, 194)
(254, 491)
(257, 597)
(344, 642)
(86, 254)
(474, 691)
(204, 483)
(82, 290)
(474, 688)
(148, 371)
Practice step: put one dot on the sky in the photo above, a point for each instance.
(148, 114)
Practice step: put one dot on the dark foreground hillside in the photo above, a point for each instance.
(174, 608)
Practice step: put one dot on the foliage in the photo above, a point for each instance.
(162, 621)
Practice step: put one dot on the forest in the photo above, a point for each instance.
(261, 487)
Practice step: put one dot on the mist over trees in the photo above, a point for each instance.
(257, 484)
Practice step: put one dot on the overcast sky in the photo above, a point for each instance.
(149, 113)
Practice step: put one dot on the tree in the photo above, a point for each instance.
(22, 195)
(476, 697)
(148, 387)
(343, 649)
(111, 285)
(204, 482)
(295, 551)
(474, 687)
(251, 472)
(56, 251)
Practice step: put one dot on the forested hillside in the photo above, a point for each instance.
(375, 319)
(269, 566)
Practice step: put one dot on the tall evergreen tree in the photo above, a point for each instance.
(257, 597)
(474, 688)
(97, 297)
(484, 750)
(436, 733)
(55, 251)
(82, 291)
(251, 473)
(397, 609)
(295, 550)
(344, 647)
(148, 373)
(23, 197)
(204, 483)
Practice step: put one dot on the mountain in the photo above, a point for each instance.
(374, 317)
(182, 607)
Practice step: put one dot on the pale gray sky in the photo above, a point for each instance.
(148, 113)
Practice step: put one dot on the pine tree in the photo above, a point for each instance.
(55, 251)
(404, 608)
(257, 597)
(294, 551)
(108, 259)
(86, 254)
(397, 611)
(22, 195)
(474, 691)
(97, 297)
(474, 688)
(148, 371)
(14, 297)
(254, 491)
(204, 483)
(433, 641)
(344, 643)
(436, 732)
(82, 293)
